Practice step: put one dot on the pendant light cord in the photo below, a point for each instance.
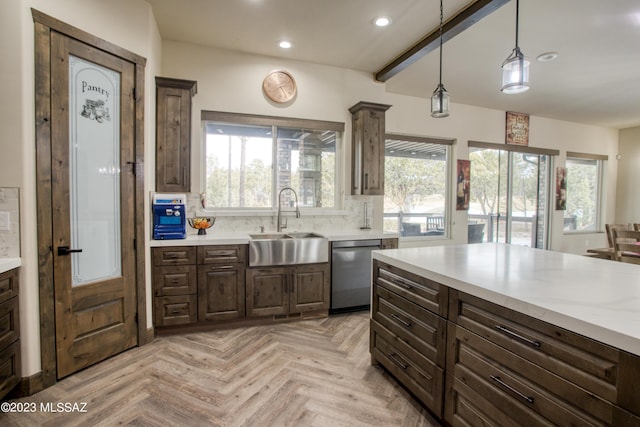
(517, 20)
(441, 43)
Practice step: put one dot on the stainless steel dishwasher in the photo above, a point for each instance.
(351, 274)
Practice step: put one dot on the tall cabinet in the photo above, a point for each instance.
(367, 145)
(173, 134)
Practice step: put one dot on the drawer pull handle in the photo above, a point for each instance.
(222, 267)
(402, 283)
(401, 320)
(518, 336)
(397, 361)
(511, 389)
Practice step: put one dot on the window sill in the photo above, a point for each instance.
(270, 212)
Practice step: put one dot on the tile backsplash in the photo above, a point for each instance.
(351, 220)
(9, 222)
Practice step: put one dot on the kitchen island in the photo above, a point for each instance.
(504, 334)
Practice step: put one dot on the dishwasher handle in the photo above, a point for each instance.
(370, 243)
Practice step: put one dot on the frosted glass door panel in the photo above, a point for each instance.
(94, 167)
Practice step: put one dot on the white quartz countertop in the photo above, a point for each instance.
(7, 264)
(221, 238)
(596, 298)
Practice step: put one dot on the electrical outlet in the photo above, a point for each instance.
(4, 221)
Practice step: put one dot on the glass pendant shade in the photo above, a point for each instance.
(515, 73)
(440, 102)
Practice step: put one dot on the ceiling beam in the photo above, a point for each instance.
(454, 26)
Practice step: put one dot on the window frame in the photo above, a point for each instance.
(600, 159)
(449, 202)
(275, 122)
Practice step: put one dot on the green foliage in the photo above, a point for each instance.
(408, 181)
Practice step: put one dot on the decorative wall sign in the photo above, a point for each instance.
(517, 129)
(561, 188)
(462, 185)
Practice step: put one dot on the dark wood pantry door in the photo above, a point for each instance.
(92, 188)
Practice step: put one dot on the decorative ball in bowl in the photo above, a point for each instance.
(201, 224)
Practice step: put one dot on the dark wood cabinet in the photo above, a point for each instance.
(476, 363)
(174, 285)
(408, 331)
(510, 367)
(267, 291)
(285, 290)
(9, 331)
(221, 282)
(198, 283)
(173, 134)
(367, 148)
(390, 243)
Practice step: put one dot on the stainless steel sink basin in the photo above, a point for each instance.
(287, 249)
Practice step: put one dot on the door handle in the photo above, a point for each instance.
(64, 250)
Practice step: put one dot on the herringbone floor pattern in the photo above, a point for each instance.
(307, 373)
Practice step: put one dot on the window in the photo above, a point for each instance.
(416, 196)
(249, 159)
(584, 189)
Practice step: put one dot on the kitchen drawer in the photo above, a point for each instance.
(517, 385)
(9, 284)
(420, 328)
(9, 368)
(174, 255)
(9, 322)
(424, 292)
(227, 254)
(175, 280)
(591, 365)
(418, 374)
(176, 310)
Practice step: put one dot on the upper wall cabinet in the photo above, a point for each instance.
(173, 134)
(367, 145)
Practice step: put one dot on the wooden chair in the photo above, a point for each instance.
(610, 227)
(626, 246)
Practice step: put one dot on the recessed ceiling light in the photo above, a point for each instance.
(547, 56)
(285, 44)
(382, 21)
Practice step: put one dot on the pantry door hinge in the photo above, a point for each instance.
(135, 94)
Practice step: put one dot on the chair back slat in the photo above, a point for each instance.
(626, 245)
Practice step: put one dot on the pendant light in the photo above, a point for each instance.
(440, 97)
(515, 69)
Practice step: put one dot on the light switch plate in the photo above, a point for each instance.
(4, 221)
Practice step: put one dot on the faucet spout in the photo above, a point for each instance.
(282, 224)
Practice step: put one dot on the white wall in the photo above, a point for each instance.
(126, 23)
(628, 196)
(231, 81)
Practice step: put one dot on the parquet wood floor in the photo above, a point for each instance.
(306, 373)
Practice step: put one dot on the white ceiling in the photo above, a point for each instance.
(595, 79)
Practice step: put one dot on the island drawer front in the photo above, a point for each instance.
(227, 254)
(424, 292)
(585, 362)
(176, 310)
(175, 280)
(174, 255)
(9, 284)
(502, 376)
(421, 376)
(420, 328)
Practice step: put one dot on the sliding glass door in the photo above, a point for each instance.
(509, 194)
